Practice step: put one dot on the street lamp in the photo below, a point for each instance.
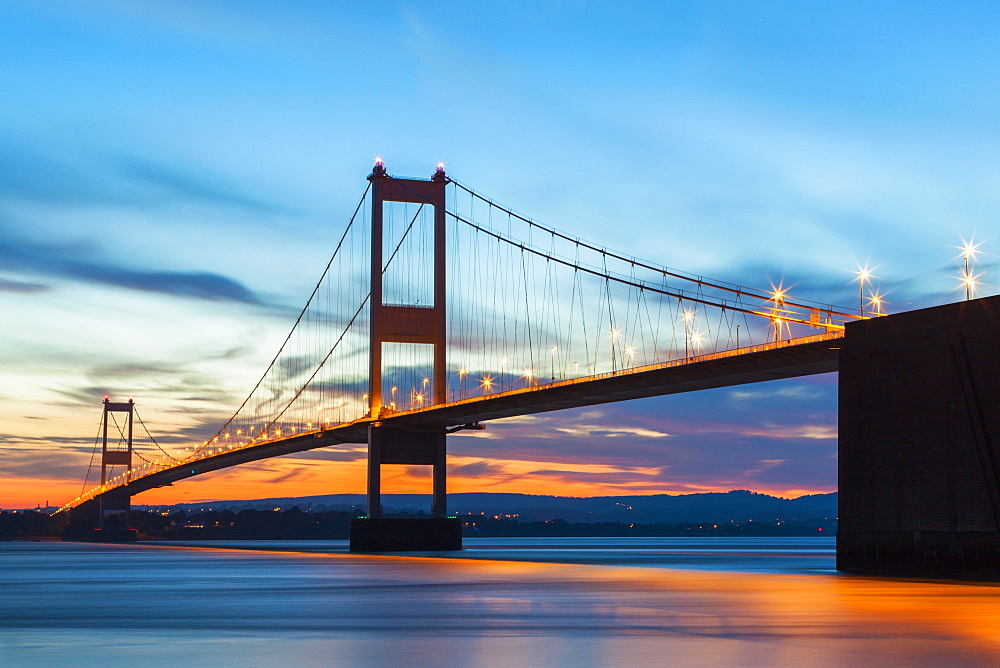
(615, 333)
(778, 296)
(969, 251)
(864, 274)
(876, 300)
(697, 338)
(688, 317)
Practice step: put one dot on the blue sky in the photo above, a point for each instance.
(174, 175)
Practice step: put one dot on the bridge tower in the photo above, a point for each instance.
(107, 518)
(115, 510)
(413, 324)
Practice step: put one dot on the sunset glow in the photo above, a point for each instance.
(174, 184)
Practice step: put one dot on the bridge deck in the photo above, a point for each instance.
(786, 359)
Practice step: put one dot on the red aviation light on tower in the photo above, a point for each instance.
(379, 168)
(439, 174)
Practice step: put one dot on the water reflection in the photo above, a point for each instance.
(94, 604)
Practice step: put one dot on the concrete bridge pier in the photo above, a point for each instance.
(376, 533)
(919, 456)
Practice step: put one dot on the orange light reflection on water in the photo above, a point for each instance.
(748, 617)
(812, 617)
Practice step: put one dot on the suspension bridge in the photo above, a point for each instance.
(441, 309)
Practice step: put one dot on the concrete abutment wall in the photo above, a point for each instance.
(920, 443)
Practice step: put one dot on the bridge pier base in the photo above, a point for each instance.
(101, 520)
(116, 512)
(406, 534)
(920, 443)
(376, 533)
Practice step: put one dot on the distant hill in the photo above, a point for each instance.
(738, 506)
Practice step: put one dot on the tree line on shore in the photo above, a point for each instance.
(293, 523)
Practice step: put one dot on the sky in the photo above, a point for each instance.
(174, 176)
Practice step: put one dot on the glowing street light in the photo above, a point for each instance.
(688, 318)
(875, 300)
(864, 274)
(778, 297)
(697, 339)
(969, 251)
(970, 282)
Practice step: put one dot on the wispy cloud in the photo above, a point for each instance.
(801, 431)
(21, 287)
(481, 469)
(72, 177)
(609, 431)
(783, 392)
(61, 261)
(173, 185)
(299, 473)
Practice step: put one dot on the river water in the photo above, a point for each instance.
(500, 602)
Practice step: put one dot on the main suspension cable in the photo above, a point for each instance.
(718, 285)
(679, 294)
